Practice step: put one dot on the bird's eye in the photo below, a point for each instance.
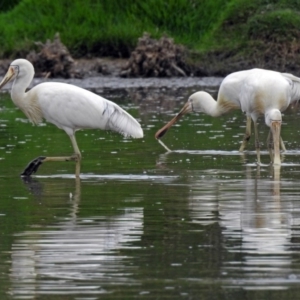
(16, 69)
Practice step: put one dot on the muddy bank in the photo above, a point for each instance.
(99, 83)
(153, 63)
(107, 77)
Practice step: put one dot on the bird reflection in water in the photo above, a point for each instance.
(75, 255)
(254, 222)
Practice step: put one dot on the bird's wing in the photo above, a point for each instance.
(71, 108)
(120, 121)
(295, 85)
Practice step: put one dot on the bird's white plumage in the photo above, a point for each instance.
(67, 106)
(256, 92)
(73, 108)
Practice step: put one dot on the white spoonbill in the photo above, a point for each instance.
(68, 107)
(256, 92)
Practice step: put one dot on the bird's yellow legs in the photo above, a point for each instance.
(257, 143)
(282, 145)
(77, 154)
(272, 144)
(247, 135)
(33, 166)
(277, 141)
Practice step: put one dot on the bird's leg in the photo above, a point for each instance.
(257, 143)
(77, 154)
(33, 166)
(275, 127)
(282, 145)
(247, 135)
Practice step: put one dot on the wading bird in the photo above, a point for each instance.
(256, 92)
(68, 107)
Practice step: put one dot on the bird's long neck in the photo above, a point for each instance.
(225, 105)
(18, 90)
(212, 107)
(203, 102)
(27, 102)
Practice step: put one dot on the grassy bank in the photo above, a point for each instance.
(106, 27)
(254, 33)
(223, 35)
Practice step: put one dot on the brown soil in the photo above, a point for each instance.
(83, 67)
(157, 58)
(151, 58)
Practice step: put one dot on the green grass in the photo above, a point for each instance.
(245, 21)
(112, 27)
(107, 27)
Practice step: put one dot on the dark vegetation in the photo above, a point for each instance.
(201, 37)
(156, 58)
(256, 33)
(52, 60)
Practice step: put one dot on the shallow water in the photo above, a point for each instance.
(200, 222)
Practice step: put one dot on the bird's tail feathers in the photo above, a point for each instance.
(291, 77)
(123, 123)
(295, 83)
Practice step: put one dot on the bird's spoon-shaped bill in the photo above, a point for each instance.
(186, 109)
(8, 76)
(275, 128)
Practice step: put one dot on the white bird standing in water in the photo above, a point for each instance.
(256, 92)
(68, 107)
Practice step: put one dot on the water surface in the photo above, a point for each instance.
(200, 222)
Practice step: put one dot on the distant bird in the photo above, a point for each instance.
(256, 92)
(68, 107)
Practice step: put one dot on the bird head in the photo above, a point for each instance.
(199, 101)
(273, 116)
(18, 68)
(194, 104)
